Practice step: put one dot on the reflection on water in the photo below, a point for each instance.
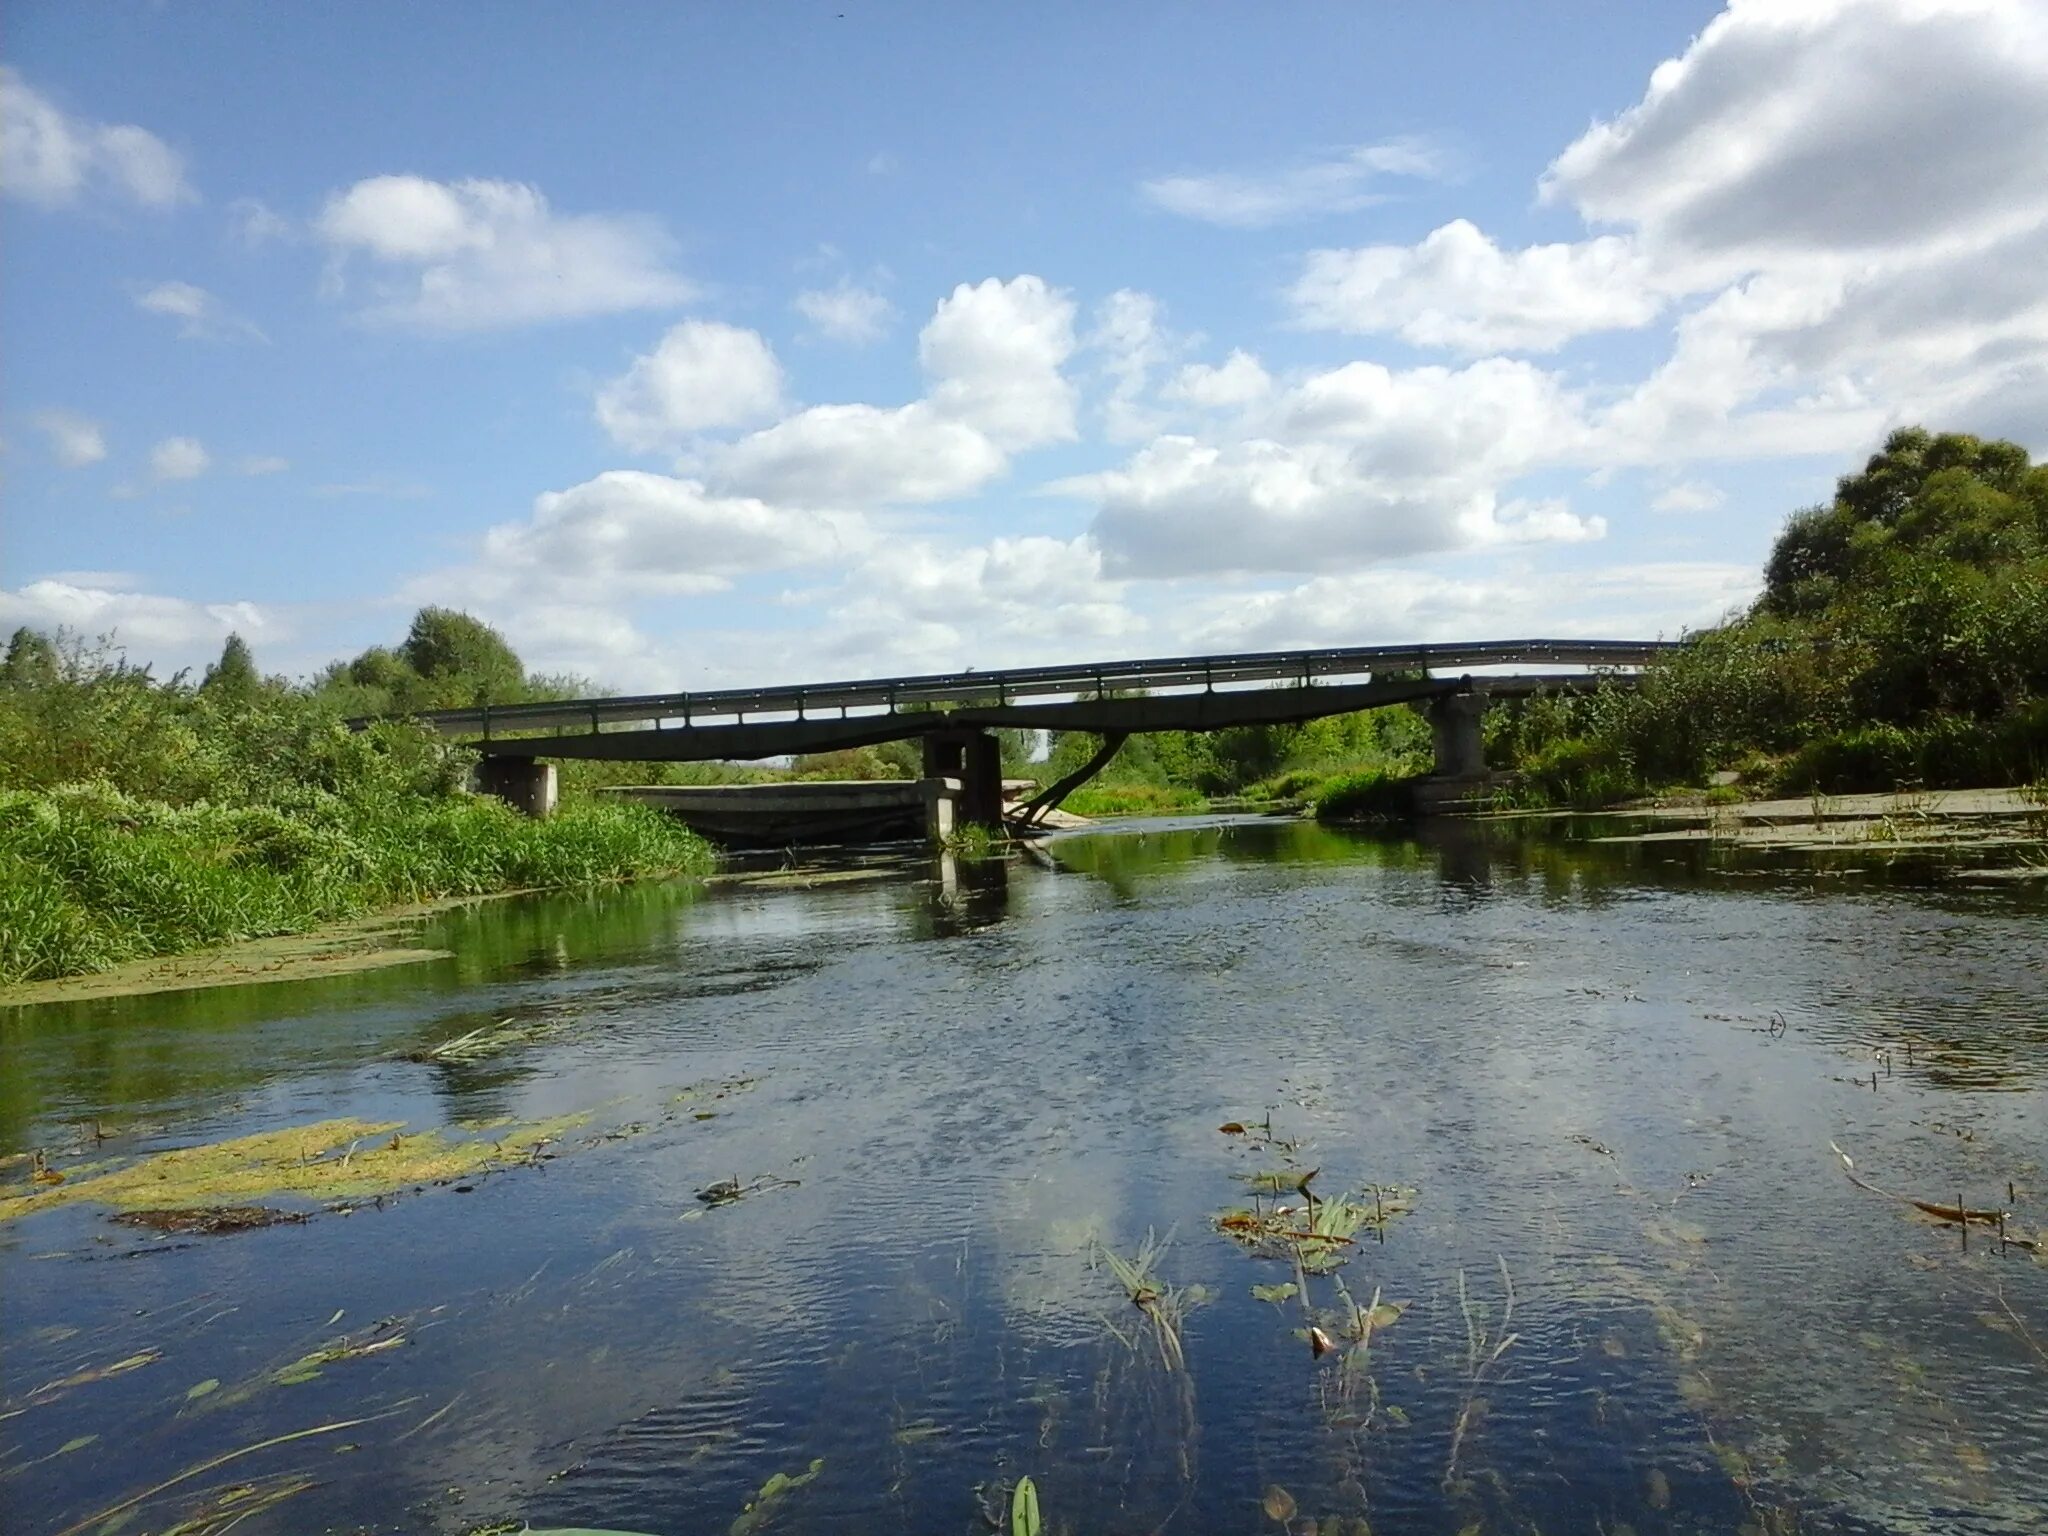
(1634, 1290)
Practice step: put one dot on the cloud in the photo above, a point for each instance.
(627, 533)
(1688, 496)
(55, 159)
(178, 458)
(200, 315)
(1458, 289)
(913, 605)
(1354, 465)
(254, 222)
(1395, 605)
(1794, 127)
(859, 455)
(75, 440)
(1341, 183)
(1132, 340)
(992, 352)
(476, 255)
(702, 375)
(1842, 204)
(263, 464)
(845, 312)
(1239, 380)
(167, 631)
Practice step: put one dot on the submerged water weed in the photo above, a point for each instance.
(762, 1505)
(344, 1159)
(1485, 1344)
(1318, 1234)
(1165, 1306)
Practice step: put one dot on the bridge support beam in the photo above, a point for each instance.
(524, 783)
(1454, 732)
(976, 759)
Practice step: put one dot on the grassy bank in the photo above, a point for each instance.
(90, 877)
(142, 818)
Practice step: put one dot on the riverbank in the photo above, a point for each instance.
(92, 880)
(1899, 821)
(361, 944)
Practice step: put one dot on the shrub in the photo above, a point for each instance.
(1372, 794)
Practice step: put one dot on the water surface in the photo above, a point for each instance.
(1639, 1290)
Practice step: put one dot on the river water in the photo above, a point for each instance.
(1591, 1087)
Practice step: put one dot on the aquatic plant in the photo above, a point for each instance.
(1318, 1233)
(343, 1159)
(1165, 1306)
(1024, 1508)
(777, 1488)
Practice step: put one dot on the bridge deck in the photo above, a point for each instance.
(990, 698)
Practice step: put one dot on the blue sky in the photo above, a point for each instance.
(727, 344)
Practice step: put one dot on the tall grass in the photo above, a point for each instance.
(91, 877)
(140, 818)
(1371, 794)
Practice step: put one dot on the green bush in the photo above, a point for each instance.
(140, 818)
(1133, 800)
(1902, 636)
(1372, 794)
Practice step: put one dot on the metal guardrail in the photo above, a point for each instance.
(892, 694)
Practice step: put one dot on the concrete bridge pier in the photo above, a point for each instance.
(524, 783)
(975, 758)
(1454, 720)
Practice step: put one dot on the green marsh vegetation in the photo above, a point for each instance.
(1901, 639)
(141, 817)
(1176, 772)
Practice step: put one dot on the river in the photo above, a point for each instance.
(1583, 1093)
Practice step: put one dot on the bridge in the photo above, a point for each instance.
(953, 713)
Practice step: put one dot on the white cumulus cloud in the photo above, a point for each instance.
(1458, 289)
(1795, 127)
(628, 533)
(701, 376)
(170, 632)
(1239, 380)
(56, 159)
(993, 353)
(1357, 464)
(477, 254)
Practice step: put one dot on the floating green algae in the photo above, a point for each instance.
(344, 1159)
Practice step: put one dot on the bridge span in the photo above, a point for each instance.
(953, 713)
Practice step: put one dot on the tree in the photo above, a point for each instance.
(234, 676)
(464, 659)
(31, 660)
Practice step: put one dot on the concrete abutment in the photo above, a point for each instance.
(524, 783)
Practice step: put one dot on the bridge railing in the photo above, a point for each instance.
(1154, 674)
